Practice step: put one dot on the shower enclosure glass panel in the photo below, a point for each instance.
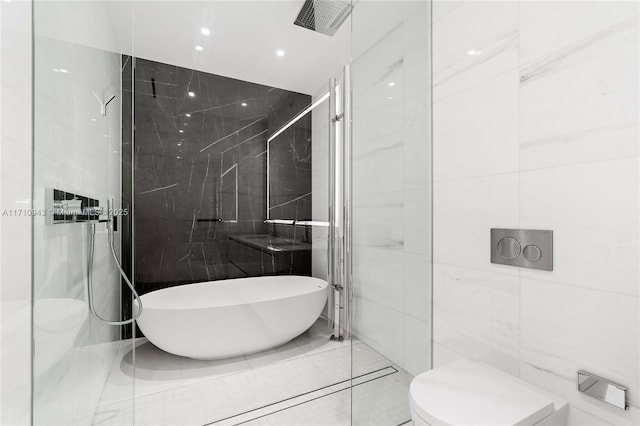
(391, 309)
(78, 97)
(206, 174)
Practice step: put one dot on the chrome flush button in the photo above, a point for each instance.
(509, 248)
(532, 253)
(526, 248)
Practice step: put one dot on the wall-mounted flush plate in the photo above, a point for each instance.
(522, 247)
(603, 389)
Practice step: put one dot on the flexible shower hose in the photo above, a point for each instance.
(92, 237)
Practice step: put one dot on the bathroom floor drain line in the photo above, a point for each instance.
(317, 394)
(304, 398)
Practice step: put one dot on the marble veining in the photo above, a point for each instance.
(559, 57)
(158, 189)
(485, 52)
(576, 136)
(235, 133)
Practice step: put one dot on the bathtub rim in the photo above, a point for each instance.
(146, 305)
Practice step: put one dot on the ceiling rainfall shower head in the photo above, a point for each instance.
(323, 16)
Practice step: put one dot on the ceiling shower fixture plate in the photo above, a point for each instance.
(323, 16)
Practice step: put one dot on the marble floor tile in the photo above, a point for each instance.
(306, 381)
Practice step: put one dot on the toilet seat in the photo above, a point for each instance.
(472, 393)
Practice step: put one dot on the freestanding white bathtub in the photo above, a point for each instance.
(222, 319)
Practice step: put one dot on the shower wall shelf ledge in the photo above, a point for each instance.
(271, 244)
(293, 222)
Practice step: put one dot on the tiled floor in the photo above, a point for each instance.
(305, 382)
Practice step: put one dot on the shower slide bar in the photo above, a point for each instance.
(293, 222)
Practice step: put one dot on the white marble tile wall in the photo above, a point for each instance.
(536, 110)
(77, 149)
(391, 202)
(15, 232)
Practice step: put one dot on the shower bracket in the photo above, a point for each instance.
(103, 103)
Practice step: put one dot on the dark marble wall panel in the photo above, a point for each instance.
(200, 176)
(290, 165)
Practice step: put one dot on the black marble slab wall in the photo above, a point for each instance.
(290, 163)
(200, 176)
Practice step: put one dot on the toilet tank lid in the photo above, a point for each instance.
(466, 392)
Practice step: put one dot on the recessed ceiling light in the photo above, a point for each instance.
(199, 48)
(188, 115)
(390, 97)
(474, 52)
(191, 94)
(244, 104)
(181, 131)
(391, 84)
(205, 31)
(62, 70)
(93, 119)
(280, 52)
(186, 124)
(178, 157)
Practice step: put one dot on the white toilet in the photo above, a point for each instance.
(469, 393)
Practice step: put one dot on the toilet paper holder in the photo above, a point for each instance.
(603, 389)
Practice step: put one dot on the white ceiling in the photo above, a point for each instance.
(245, 36)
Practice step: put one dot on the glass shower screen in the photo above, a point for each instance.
(78, 98)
